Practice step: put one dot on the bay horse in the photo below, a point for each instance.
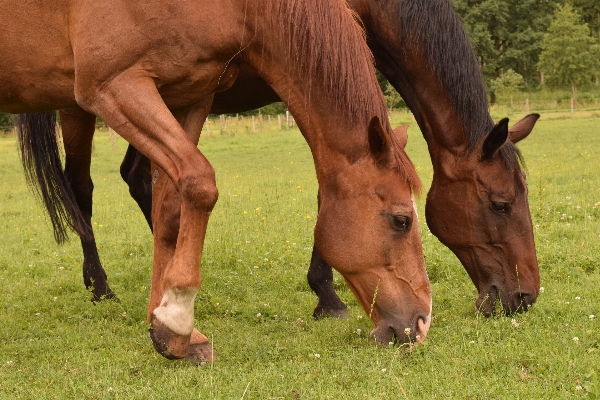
(151, 69)
(477, 204)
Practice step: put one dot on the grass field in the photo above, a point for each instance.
(256, 306)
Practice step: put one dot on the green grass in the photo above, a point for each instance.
(256, 306)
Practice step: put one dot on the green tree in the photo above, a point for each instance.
(507, 34)
(5, 121)
(570, 56)
(509, 83)
(590, 13)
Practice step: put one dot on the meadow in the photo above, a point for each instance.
(256, 306)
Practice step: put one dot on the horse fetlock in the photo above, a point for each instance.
(176, 310)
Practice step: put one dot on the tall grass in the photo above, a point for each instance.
(256, 306)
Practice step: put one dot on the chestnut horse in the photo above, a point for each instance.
(151, 73)
(477, 204)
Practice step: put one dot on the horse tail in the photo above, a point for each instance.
(44, 174)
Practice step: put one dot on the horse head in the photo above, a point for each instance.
(367, 229)
(477, 206)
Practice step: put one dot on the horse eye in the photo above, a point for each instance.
(500, 207)
(401, 222)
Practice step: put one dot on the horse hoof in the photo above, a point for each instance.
(166, 342)
(200, 352)
(330, 312)
(106, 296)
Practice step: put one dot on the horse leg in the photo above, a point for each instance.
(320, 280)
(78, 128)
(166, 213)
(135, 171)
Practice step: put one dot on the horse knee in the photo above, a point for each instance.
(200, 188)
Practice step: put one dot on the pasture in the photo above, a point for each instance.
(255, 304)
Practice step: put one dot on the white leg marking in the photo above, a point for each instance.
(176, 310)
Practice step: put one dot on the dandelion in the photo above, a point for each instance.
(575, 340)
(407, 331)
(245, 212)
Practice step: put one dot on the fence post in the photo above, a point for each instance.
(287, 119)
(270, 122)
(526, 106)
(253, 126)
(207, 127)
(279, 121)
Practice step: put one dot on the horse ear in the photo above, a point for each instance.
(401, 135)
(523, 128)
(495, 139)
(379, 140)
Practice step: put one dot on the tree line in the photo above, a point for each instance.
(539, 42)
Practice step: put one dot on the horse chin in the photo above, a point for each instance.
(486, 301)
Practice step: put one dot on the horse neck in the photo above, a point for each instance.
(329, 86)
(404, 63)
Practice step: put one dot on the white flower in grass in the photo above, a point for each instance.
(258, 315)
(407, 331)
(592, 316)
(542, 289)
(575, 340)
(577, 298)
(317, 355)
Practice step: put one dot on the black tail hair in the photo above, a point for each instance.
(44, 174)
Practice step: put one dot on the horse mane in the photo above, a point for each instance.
(327, 44)
(438, 30)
